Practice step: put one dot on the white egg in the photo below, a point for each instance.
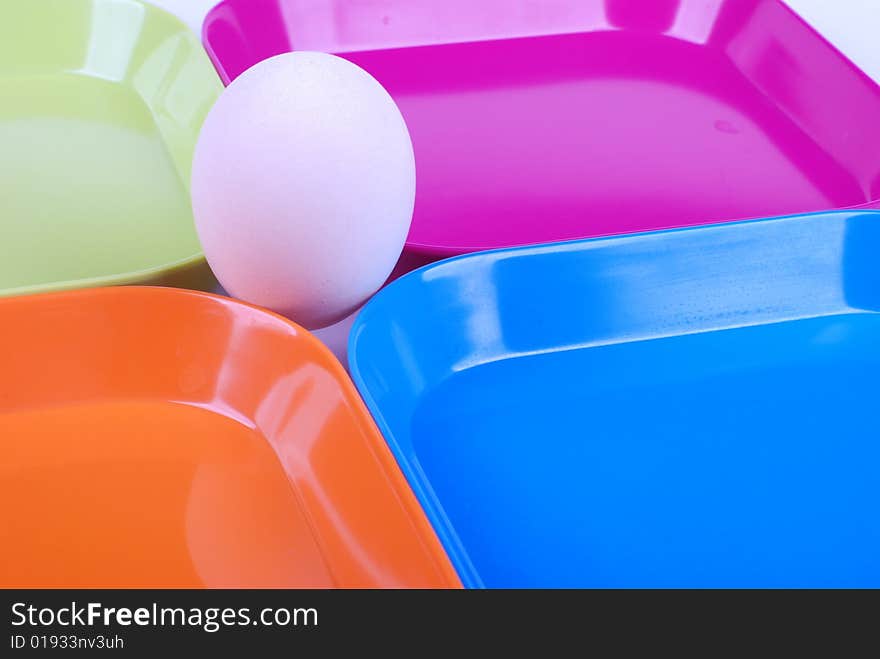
(303, 187)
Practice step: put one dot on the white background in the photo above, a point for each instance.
(851, 25)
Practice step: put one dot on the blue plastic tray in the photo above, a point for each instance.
(694, 408)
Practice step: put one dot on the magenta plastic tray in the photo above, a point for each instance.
(565, 119)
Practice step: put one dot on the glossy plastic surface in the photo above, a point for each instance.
(535, 122)
(685, 408)
(164, 438)
(101, 102)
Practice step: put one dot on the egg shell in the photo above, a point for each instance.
(303, 187)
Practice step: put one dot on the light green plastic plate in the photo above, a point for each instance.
(101, 102)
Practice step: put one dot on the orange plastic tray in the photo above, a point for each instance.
(162, 438)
